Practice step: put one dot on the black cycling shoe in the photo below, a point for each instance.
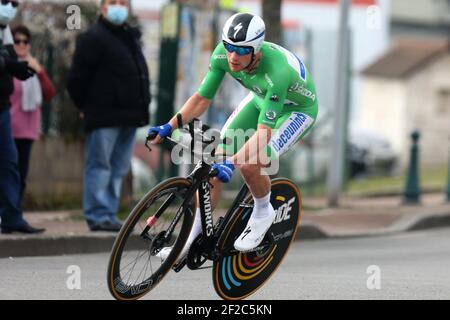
(24, 229)
(106, 226)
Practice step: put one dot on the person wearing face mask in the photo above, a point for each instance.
(109, 83)
(10, 210)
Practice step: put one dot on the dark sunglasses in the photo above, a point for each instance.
(15, 4)
(241, 51)
(19, 41)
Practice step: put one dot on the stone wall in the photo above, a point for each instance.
(56, 173)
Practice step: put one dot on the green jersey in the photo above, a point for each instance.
(281, 80)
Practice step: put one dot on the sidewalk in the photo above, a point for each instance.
(67, 232)
(373, 216)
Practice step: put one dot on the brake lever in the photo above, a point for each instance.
(213, 173)
(150, 137)
(147, 140)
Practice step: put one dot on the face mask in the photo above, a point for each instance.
(117, 14)
(7, 13)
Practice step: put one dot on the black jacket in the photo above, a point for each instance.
(6, 80)
(109, 79)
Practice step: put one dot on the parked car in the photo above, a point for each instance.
(369, 153)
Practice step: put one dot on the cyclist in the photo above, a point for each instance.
(281, 107)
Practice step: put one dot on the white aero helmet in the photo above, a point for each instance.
(245, 30)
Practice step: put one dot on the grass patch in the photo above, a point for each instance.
(311, 208)
(47, 203)
(431, 179)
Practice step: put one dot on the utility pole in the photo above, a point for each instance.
(339, 141)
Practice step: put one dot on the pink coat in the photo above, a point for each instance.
(26, 125)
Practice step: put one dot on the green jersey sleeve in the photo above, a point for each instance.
(273, 101)
(214, 77)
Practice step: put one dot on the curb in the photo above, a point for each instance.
(309, 231)
(29, 246)
(430, 222)
(58, 245)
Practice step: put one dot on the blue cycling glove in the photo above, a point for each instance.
(225, 169)
(163, 131)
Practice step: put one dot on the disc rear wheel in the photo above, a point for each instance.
(238, 275)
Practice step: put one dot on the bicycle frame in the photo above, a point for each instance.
(251, 269)
(200, 182)
(210, 236)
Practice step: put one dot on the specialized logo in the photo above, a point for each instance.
(207, 207)
(290, 131)
(271, 115)
(237, 29)
(246, 232)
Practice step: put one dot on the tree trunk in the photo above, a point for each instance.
(272, 17)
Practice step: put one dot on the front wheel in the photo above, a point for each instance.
(159, 220)
(237, 276)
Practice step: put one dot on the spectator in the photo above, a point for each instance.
(26, 102)
(109, 83)
(10, 212)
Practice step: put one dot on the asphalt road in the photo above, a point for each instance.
(412, 265)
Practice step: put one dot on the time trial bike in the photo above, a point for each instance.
(164, 217)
